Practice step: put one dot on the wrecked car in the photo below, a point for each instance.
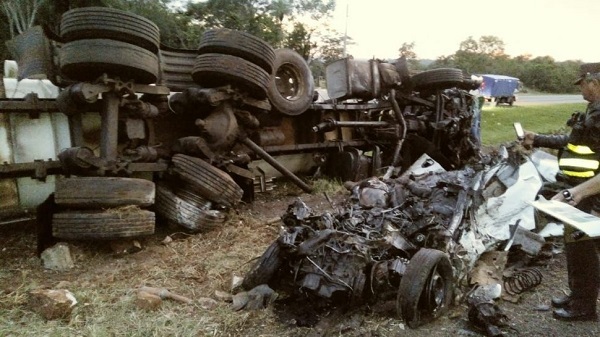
(412, 239)
(208, 126)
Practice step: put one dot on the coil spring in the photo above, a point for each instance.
(522, 280)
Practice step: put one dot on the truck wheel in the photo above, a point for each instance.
(292, 86)
(442, 78)
(264, 269)
(240, 44)
(109, 23)
(176, 68)
(207, 180)
(103, 192)
(426, 287)
(86, 60)
(105, 224)
(184, 213)
(215, 70)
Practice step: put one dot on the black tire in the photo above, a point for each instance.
(240, 44)
(215, 70)
(426, 287)
(292, 85)
(176, 68)
(207, 180)
(109, 23)
(265, 268)
(442, 78)
(111, 224)
(86, 60)
(103, 192)
(184, 213)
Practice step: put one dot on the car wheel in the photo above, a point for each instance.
(109, 23)
(86, 60)
(426, 287)
(103, 192)
(264, 269)
(207, 180)
(103, 224)
(240, 44)
(442, 78)
(292, 85)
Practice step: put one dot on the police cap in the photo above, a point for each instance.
(587, 69)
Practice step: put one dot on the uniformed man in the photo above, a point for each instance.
(579, 163)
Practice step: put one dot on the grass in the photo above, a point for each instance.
(497, 122)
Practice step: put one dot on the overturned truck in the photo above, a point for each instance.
(184, 135)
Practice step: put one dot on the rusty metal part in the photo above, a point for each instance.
(242, 172)
(136, 108)
(313, 146)
(110, 125)
(400, 140)
(142, 154)
(521, 280)
(38, 169)
(267, 157)
(79, 160)
(191, 98)
(349, 78)
(269, 137)
(220, 128)
(30, 104)
(329, 124)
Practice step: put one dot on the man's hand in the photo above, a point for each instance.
(527, 141)
(568, 197)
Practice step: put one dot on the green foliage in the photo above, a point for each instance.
(282, 23)
(486, 56)
(497, 122)
(176, 29)
(295, 24)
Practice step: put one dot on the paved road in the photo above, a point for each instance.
(531, 99)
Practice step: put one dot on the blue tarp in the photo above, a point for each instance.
(498, 85)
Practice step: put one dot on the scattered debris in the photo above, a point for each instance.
(486, 316)
(167, 240)
(163, 293)
(236, 282)
(52, 304)
(147, 301)
(257, 298)
(519, 280)
(223, 296)
(122, 247)
(57, 257)
(414, 239)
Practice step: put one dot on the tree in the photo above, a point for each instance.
(282, 23)
(20, 14)
(407, 51)
(176, 29)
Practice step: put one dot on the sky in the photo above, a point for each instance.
(562, 29)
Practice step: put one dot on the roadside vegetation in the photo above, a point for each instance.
(497, 122)
(301, 25)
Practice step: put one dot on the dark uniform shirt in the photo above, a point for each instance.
(585, 132)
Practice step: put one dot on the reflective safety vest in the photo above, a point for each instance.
(578, 161)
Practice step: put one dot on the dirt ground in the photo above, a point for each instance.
(105, 283)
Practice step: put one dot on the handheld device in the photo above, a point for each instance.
(519, 131)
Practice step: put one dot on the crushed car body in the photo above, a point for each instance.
(413, 239)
